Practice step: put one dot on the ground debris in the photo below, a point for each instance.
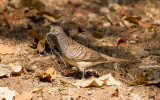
(5, 50)
(10, 69)
(6, 94)
(40, 43)
(49, 74)
(97, 82)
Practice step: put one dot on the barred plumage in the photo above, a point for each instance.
(79, 55)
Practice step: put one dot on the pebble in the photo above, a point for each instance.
(133, 41)
(106, 24)
(33, 67)
(157, 22)
(104, 10)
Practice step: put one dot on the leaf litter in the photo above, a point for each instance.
(86, 18)
(107, 80)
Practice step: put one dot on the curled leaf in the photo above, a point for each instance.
(121, 42)
(49, 74)
(40, 40)
(139, 80)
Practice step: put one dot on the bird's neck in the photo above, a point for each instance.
(63, 42)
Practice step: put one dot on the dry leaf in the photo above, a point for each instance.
(24, 96)
(5, 50)
(139, 80)
(25, 12)
(104, 80)
(32, 3)
(9, 20)
(80, 12)
(115, 94)
(10, 69)
(147, 25)
(50, 18)
(132, 19)
(6, 94)
(41, 45)
(121, 42)
(49, 74)
(40, 38)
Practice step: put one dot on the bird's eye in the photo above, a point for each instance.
(53, 30)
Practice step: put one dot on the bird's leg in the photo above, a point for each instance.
(83, 72)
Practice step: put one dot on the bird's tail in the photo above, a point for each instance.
(112, 59)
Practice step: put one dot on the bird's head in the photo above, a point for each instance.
(55, 30)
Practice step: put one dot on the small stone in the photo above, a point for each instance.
(133, 41)
(34, 67)
(92, 15)
(104, 10)
(106, 24)
(89, 92)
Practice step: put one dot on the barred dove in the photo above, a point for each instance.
(77, 54)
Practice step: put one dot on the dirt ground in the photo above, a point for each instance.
(97, 25)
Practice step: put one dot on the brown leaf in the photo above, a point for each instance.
(132, 19)
(121, 42)
(41, 45)
(32, 3)
(147, 25)
(139, 80)
(51, 18)
(25, 12)
(97, 82)
(5, 50)
(116, 93)
(40, 40)
(9, 20)
(81, 12)
(49, 74)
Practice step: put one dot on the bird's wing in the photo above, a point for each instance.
(79, 52)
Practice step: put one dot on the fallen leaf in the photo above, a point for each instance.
(139, 79)
(115, 94)
(132, 19)
(41, 40)
(25, 12)
(40, 6)
(121, 42)
(80, 12)
(24, 96)
(41, 45)
(147, 25)
(50, 18)
(49, 74)
(5, 50)
(9, 20)
(6, 94)
(10, 69)
(97, 82)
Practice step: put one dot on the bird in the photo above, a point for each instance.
(77, 54)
